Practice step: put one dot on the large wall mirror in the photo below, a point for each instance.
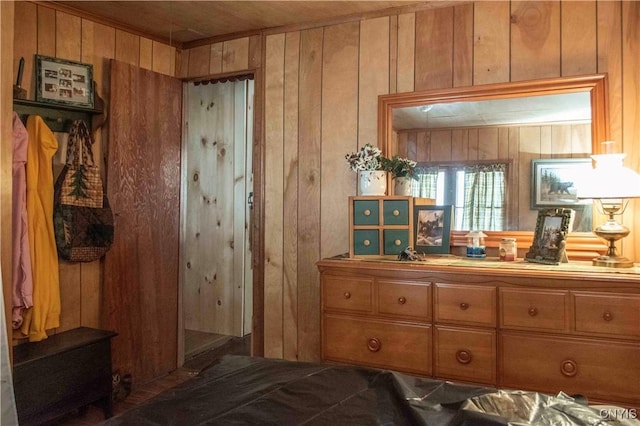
(517, 128)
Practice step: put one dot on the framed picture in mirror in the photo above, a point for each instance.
(433, 229)
(64, 82)
(554, 182)
(549, 238)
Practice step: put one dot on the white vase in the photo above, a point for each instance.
(402, 185)
(372, 182)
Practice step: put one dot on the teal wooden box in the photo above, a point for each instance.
(380, 226)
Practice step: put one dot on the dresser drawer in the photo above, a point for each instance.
(366, 241)
(534, 309)
(395, 212)
(464, 304)
(463, 354)
(378, 343)
(615, 314)
(347, 294)
(404, 299)
(366, 212)
(395, 240)
(598, 369)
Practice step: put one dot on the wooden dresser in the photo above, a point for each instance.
(573, 327)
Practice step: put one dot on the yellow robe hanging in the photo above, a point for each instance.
(45, 313)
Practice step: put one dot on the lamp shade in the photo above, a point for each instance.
(609, 179)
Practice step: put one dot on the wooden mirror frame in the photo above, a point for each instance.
(580, 245)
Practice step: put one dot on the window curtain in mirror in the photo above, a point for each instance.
(484, 200)
(425, 183)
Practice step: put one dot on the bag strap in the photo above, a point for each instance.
(79, 151)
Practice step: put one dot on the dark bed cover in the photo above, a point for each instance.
(258, 391)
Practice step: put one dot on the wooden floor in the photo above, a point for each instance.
(93, 414)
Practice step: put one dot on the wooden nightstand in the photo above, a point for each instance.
(68, 370)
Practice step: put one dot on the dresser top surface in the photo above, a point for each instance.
(489, 266)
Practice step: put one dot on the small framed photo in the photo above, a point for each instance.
(554, 182)
(549, 238)
(65, 82)
(433, 229)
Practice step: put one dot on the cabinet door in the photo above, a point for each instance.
(382, 344)
(465, 304)
(607, 313)
(366, 241)
(599, 369)
(395, 212)
(366, 212)
(534, 309)
(465, 354)
(395, 240)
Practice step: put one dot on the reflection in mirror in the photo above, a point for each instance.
(474, 146)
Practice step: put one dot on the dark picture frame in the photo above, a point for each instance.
(432, 233)
(554, 182)
(549, 239)
(63, 82)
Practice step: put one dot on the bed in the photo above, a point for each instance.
(242, 390)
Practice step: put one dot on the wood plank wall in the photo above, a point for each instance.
(320, 95)
(319, 100)
(517, 145)
(46, 31)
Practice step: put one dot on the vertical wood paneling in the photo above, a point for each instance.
(459, 144)
(215, 58)
(164, 58)
(529, 146)
(463, 45)
(273, 200)
(514, 176)
(68, 46)
(339, 136)
(491, 32)
(146, 53)
(373, 76)
(393, 54)
(610, 61)
(578, 24)
(631, 112)
(199, 58)
(434, 39)
(26, 45)
(488, 143)
(290, 201)
(309, 175)
(7, 16)
(46, 31)
(406, 52)
(235, 55)
(535, 39)
(127, 48)
(441, 145)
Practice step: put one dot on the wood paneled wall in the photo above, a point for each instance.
(46, 31)
(320, 96)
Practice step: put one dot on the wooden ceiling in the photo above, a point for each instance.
(189, 23)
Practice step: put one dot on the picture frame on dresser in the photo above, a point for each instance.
(549, 238)
(432, 233)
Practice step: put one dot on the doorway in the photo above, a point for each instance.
(217, 191)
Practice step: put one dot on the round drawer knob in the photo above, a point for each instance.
(402, 300)
(396, 212)
(374, 345)
(347, 295)
(607, 316)
(464, 306)
(367, 212)
(533, 312)
(569, 368)
(366, 243)
(463, 356)
(397, 242)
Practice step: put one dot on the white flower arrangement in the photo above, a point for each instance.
(369, 157)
